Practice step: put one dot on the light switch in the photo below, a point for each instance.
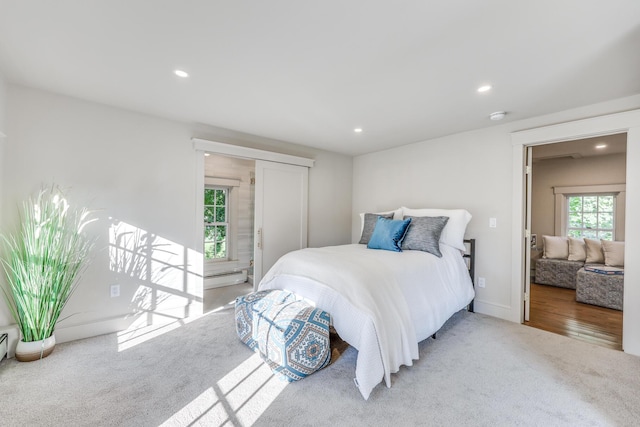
(492, 223)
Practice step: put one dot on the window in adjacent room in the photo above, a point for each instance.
(591, 216)
(216, 223)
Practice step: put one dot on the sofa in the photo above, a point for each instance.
(594, 268)
(557, 272)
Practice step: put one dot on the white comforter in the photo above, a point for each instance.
(382, 303)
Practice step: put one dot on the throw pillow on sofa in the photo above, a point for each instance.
(577, 249)
(613, 253)
(555, 247)
(594, 251)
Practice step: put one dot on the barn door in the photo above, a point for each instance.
(281, 197)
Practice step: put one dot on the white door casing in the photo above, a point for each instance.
(527, 245)
(629, 122)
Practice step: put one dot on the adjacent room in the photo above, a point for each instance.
(578, 191)
(231, 213)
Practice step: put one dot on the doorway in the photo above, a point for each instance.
(597, 125)
(277, 199)
(229, 200)
(584, 170)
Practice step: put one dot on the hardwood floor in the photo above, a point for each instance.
(556, 310)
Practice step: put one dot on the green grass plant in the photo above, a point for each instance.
(43, 260)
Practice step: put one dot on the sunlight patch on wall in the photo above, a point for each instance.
(239, 398)
(161, 280)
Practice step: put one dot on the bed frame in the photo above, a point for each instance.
(471, 265)
(471, 255)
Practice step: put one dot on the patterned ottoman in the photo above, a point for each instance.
(604, 290)
(245, 312)
(291, 336)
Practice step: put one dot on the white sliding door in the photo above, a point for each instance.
(281, 193)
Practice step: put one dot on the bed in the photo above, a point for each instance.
(384, 302)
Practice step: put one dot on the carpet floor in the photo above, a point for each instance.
(480, 371)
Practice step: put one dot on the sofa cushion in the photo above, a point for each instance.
(594, 251)
(577, 249)
(613, 253)
(555, 247)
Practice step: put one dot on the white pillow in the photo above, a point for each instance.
(594, 251)
(577, 249)
(613, 253)
(397, 214)
(555, 247)
(453, 232)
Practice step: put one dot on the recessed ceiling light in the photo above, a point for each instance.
(498, 115)
(207, 154)
(484, 88)
(357, 130)
(601, 146)
(181, 73)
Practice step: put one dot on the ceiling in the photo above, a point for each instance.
(579, 148)
(311, 72)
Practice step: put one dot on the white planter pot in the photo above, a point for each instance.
(35, 350)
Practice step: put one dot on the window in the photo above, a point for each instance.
(591, 216)
(216, 223)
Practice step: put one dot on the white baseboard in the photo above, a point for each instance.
(87, 330)
(106, 326)
(492, 309)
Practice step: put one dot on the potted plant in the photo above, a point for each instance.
(42, 262)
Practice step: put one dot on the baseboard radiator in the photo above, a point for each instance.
(3, 346)
(225, 279)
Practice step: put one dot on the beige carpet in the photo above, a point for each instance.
(480, 371)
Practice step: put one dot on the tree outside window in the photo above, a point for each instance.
(216, 223)
(591, 216)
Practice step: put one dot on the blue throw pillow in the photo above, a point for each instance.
(388, 234)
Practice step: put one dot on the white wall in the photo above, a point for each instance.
(4, 315)
(474, 170)
(3, 98)
(140, 173)
(460, 171)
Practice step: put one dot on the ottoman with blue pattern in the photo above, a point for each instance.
(245, 311)
(291, 336)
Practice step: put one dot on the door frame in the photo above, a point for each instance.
(528, 186)
(629, 122)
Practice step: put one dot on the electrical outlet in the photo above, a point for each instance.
(115, 291)
(481, 282)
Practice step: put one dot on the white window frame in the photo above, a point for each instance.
(598, 230)
(225, 224)
(562, 208)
